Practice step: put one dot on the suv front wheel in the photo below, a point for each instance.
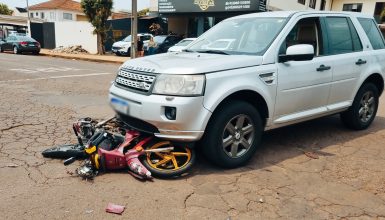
(233, 135)
(364, 109)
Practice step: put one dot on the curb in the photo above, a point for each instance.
(82, 58)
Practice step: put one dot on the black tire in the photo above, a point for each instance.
(128, 52)
(218, 130)
(36, 53)
(166, 171)
(1, 49)
(364, 108)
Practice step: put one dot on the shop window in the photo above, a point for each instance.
(379, 12)
(67, 16)
(42, 15)
(357, 7)
(302, 2)
(312, 4)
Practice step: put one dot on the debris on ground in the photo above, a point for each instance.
(89, 211)
(311, 155)
(12, 165)
(116, 209)
(77, 49)
(261, 200)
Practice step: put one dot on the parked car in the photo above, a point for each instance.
(181, 45)
(123, 47)
(164, 42)
(284, 68)
(19, 44)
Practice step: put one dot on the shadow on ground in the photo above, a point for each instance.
(292, 141)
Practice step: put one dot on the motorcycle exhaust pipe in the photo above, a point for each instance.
(69, 161)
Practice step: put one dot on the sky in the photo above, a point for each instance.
(118, 4)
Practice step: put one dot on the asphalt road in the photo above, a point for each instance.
(42, 96)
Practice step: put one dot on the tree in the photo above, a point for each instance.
(4, 10)
(143, 12)
(97, 12)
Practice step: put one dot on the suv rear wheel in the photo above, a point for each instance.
(364, 109)
(233, 135)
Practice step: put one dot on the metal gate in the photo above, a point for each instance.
(44, 33)
(49, 35)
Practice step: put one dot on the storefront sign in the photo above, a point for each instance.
(179, 6)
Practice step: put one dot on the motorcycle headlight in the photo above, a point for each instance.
(181, 85)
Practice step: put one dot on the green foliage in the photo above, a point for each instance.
(143, 12)
(4, 10)
(97, 12)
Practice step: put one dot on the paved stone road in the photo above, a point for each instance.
(39, 102)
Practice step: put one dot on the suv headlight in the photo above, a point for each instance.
(182, 85)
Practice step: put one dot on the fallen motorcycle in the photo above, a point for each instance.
(120, 147)
(108, 152)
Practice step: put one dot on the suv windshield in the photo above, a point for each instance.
(250, 36)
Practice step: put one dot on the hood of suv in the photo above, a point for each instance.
(191, 63)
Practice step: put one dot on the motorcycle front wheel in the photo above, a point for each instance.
(169, 164)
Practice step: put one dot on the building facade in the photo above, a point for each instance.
(58, 10)
(191, 18)
(372, 7)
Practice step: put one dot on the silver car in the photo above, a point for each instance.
(252, 73)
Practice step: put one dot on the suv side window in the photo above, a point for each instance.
(373, 33)
(343, 37)
(306, 31)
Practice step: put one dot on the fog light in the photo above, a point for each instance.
(170, 113)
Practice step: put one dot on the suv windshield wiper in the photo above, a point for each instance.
(213, 51)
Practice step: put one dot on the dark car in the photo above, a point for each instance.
(20, 44)
(164, 42)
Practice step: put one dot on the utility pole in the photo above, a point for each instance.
(134, 28)
(29, 21)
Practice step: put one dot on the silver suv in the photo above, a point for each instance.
(253, 73)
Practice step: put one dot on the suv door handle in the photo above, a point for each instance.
(360, 62)
(323, 68)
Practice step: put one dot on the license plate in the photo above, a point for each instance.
(119, 105)
(32, 45)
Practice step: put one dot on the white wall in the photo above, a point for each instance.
(76, 33)
(367, 6)
(293, 5)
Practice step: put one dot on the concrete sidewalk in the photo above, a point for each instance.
(89, 57)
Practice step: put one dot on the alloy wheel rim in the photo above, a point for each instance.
(174, 160)
(15, 50)
(238, 136)
(367, 107)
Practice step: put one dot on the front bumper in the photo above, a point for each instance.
(191, 117)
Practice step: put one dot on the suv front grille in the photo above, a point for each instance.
(134, 81)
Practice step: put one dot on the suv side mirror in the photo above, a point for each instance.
(299, 52)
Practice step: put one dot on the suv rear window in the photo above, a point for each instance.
(343, 37)
(374, 35)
